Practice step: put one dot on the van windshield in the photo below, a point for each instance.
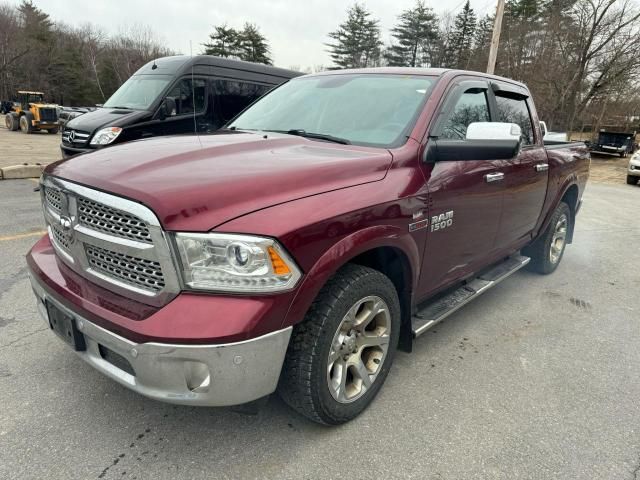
(362, 109)
(139, 92)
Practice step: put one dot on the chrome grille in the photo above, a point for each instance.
(54, 200)
(113, 242)
(109, 220)
(140, 273)
(71, 136)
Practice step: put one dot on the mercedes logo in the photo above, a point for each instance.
(72, 136)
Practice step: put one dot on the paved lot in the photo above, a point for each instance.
(538, 379)
(17, 148)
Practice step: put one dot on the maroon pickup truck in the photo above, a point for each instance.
(327, 226)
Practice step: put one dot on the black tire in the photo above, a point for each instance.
(304, 378)
(53, 130)
(543, 260)
(632, 180)
(11, 121)
(26, 125)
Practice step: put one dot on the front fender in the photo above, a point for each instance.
(341, 253)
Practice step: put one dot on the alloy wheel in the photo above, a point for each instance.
(559, 239)
(359, 349)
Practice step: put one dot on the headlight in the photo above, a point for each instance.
(106, 136)
(234, 263)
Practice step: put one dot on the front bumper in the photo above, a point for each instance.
(202, 375)
(634, 170)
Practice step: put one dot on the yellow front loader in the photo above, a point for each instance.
(30, 114)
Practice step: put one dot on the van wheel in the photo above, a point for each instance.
(632, 180)
(340, 354)
(547, 250)
(25, 123)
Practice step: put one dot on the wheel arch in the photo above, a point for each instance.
(380, 248)
(570, 197)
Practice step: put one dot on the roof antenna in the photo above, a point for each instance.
(193, 96)
(154, 66)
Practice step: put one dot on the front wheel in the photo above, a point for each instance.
(340, 354)
(25, 123)
(632, 180)
(547, 250)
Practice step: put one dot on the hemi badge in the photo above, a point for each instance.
(418, 225)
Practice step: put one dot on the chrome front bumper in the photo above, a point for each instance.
(203, 375)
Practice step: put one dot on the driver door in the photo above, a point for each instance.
(465, 202)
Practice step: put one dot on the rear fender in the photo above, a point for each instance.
(570, 181)
(344, 251)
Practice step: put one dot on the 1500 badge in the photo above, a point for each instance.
(438, 222)
(442, 221)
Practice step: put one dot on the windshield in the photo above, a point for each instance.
(364, 109)
(139, 92)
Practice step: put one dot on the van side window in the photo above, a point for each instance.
(183, 94)
(233, 96)
(472, 106)
(515, 110)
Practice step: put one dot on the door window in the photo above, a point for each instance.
(515, 110)
(233, 96)
(184, 94)
(472, 106)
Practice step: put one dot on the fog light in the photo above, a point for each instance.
(197, 377)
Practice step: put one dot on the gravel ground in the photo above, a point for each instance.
(17, 148)
(537, 379)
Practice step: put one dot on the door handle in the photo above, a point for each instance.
(542, 167)
(494, 177)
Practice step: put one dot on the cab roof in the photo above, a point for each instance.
(30, 93)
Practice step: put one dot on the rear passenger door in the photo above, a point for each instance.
(526, 175)
(460, 194)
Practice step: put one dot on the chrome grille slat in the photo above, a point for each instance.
(109, 220)
(140, 273)
(60, 238)
(54, 200)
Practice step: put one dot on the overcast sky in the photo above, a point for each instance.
(296, 29)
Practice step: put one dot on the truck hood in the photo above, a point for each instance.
(197, 183)
(106, 117)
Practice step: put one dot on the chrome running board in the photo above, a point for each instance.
(434, 312)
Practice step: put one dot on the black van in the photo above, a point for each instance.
(159, 100)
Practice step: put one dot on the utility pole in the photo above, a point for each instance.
(495, 38)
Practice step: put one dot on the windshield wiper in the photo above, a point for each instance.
(318, 136)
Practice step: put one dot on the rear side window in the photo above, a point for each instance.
(515, 110)
(232, 96)
(472, 106)
(184, 94)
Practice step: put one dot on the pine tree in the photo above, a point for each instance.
(415, 33)
(224, 42)
(357, 40)
(462, 37)
(253, 46)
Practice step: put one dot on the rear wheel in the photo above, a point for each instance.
(632, 180)
(26, 124)
(340, 355)
(547, 250)
(11, 121)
